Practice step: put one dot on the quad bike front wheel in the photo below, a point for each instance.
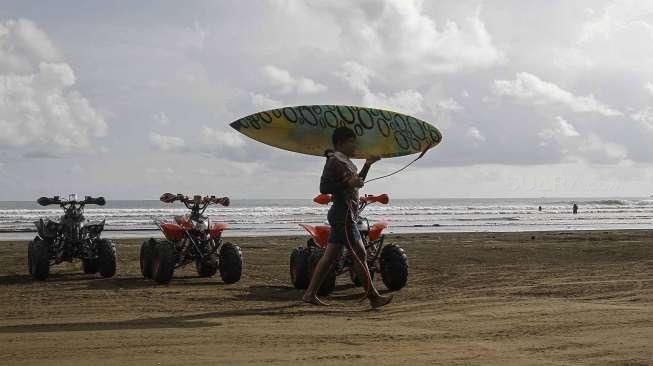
(329, 283)
(39, 259)
(207, 266)
(394, 267)
(90, 266)
(106, 261)
(231, 263)
(300, 273)
(163, 261)
(147, 249)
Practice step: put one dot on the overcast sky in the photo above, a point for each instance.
(133, 98)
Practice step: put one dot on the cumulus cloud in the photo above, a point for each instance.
(211, 136)
(561, 128)
(530, 88)
(264, 101)
(595, 150)
(39, 109)
(285, 83)
(415, 39)
(358, 78)
(475, 134)
(161, 118)
(449, 104)
(167, 143)
(400, 35)
(195, 36)
(575, 147)
(644, 117)
(649, 88)
(23, 46)
(619, 16)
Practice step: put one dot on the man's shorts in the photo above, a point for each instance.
(342, 231)
(343, 234)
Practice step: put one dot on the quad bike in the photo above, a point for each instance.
(72, 237)
(191, 238)
(389, 260)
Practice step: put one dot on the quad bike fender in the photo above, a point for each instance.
(172, 232)
(376, 230)
(320, 233)
(184, 221)
(217, 229)
(47, 228)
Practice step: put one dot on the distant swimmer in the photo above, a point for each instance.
(539, 208)
(575, 209)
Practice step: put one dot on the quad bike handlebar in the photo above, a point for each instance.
(195, 200)
(325, 199)
(382, 199)
(56, 200)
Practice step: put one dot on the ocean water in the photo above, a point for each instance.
(248, 217)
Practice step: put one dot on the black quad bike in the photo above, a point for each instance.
(191, 238)
(389, 260)
(69, 238)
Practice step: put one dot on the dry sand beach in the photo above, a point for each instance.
(555, 298)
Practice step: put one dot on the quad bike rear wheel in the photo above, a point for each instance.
(39, 259)
(207, 266)
(231, 263)
(394, 267)
(106, 261)
(163, 261)
(300, 273)
(147, 248)
(90, 266)
(329, 283)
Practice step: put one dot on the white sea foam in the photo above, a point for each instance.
(283, 216)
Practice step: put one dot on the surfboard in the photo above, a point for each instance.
(308, 129)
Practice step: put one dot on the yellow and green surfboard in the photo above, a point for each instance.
(308, 129)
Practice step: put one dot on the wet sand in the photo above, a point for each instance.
(472, 299)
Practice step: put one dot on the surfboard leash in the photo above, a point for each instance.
(368, 276)
(404, 167)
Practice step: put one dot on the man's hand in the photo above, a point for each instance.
(354, 181)
(371, 160)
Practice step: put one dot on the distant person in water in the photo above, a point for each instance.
(341, 179)
(575, 209)
(539, 208)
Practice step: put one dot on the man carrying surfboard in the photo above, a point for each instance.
(341, 179)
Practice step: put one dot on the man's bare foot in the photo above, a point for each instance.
(379, 301)
(314, 300)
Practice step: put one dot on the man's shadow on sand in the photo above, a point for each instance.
(288, 293)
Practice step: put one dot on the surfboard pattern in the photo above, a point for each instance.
(308, 130)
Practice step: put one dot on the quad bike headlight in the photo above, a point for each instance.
(201, 226)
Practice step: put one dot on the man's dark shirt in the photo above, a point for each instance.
(337, 170)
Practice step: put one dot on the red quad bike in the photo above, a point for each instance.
(389, 260)
(191, 238)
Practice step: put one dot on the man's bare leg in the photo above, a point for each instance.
(322, 268)
(363, 272)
